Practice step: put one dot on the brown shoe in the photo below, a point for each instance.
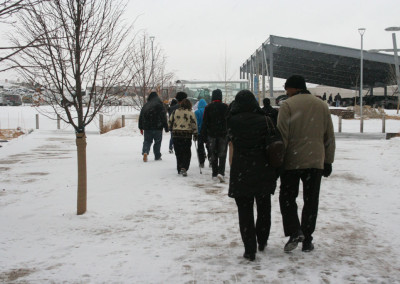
(145, 157)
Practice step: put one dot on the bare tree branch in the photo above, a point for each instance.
(78, 46)
(142, 63)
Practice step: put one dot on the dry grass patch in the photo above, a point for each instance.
(8, 134)
(116, 124)
(371, 112)
(395, 117)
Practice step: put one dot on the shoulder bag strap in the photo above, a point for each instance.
(270, 125)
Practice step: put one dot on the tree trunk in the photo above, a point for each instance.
(82, 189)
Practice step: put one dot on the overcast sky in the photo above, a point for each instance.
(196, 36)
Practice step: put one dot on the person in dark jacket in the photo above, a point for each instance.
(270, 111)
(338, 98)
(201, 152)
(171, 108)
(152, 120)
(251, 178)
(214, 131)
(330, 100)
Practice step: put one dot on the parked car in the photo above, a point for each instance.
(387, 102)
(2, 100)
(10, 99)
(27, 99)
(280, 99)
(345, 102)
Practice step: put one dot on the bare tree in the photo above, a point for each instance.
(82, 54)
(9, 8)
(149, 70)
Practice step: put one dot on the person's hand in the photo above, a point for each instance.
(195, 137)
(166, 130)
(141, 131)
(327, 170)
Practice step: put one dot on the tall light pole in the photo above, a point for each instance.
(396, 61)
(152, 59)
(361, 32)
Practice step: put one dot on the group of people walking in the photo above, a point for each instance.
(305, 124)
(330, 101)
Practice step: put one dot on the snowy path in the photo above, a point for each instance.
(146, 224)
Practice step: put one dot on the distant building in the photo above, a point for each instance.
(197, 90)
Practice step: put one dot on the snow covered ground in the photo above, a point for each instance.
(146, 224)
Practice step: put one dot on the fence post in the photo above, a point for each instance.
(340, 124)
(361, 125)
(383, 124)
(123, 120)
(37, 121)
(58, 121)
(101, 122)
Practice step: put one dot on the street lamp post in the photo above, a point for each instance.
(152, 59)
(361, 32)
(396, 61)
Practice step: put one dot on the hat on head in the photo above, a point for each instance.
(245, 101)
(152, 96)
(216, 95)
(296, 82)
(180, 96)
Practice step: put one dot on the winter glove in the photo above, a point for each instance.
(141, 131)
(195, 137)
(327, 170)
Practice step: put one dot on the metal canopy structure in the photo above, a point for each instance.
(319, 63)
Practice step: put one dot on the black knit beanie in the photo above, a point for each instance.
(180, 96)
(216, 95)
(296, 82)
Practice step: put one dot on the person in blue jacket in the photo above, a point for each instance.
(199, 117)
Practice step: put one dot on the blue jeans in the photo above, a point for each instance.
(149, 136)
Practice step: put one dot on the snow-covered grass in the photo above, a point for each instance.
(146, 224)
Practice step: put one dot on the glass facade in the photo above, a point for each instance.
(197, 90)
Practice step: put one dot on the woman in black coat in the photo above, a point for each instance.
(251, 178)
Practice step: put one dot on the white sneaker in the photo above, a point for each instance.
(214, 178)
(221, 178)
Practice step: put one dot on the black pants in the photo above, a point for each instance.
(183, 152)
(218, 148)
(201, 150)
(251, 235)
(290, 182)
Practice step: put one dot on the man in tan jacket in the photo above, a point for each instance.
(307, 131)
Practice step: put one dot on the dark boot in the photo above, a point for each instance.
(249, 256)
(307, 246)
(294, 239)
(262, 246)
